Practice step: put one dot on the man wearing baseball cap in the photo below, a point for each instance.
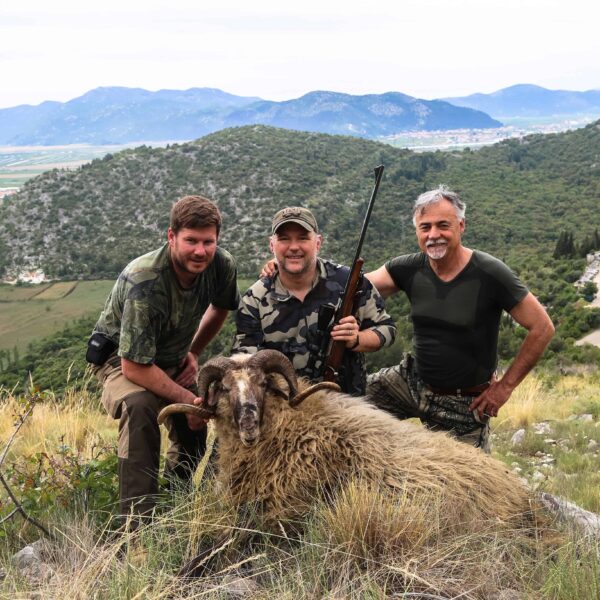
(280, 311)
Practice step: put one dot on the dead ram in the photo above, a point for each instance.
(282, 448)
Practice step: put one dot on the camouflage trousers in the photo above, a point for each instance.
(399, 391)
(137, 409)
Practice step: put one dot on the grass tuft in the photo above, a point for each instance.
(360, 543)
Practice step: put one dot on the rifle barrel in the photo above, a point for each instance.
(363, 231)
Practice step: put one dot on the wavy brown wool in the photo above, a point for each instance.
(331, 438)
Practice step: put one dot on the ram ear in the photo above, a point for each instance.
(211, 397)
(272, 361)
(276, 389)
(212, 370)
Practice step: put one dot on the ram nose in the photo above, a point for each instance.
(249, 426)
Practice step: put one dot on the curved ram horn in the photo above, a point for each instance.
(212, 370)
(189, 409)
(309, 391)
(273, 361)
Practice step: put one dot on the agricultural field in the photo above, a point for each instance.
(19, 293)
(32, 312)
(20, 163)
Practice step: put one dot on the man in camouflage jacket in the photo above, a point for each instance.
(280, 312)
(161, 313)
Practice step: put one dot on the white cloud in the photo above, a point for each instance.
(276, 50)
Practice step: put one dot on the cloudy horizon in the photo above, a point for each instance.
(423, 48)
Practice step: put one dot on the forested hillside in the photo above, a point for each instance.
(523, 198)
(521, 194)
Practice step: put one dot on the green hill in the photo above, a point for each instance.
(521, 195)
(90, 222)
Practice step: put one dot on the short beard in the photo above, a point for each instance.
(182, 266)
(306, 266)
(436, 251)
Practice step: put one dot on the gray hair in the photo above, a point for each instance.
(442, 192)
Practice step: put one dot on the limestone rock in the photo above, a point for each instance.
(569, 512)
(517, 438)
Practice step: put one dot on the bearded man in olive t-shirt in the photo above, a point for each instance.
(163, 310)
(457, 296)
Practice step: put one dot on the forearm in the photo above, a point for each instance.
(529, 354)
(530, 314)
(210, 325)
(156, 381)
(368, 341)
(377, 326)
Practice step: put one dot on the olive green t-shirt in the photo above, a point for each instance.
(456, 323)
(152, 318)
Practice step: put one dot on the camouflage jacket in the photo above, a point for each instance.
(269, 316)
(152, 318)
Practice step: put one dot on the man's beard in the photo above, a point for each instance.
(436, 250)
(182, 264)
(306, 266)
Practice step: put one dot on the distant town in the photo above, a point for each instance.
(457, 139)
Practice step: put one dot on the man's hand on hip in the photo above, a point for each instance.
(489, 402)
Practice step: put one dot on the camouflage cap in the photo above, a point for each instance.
(295, 214)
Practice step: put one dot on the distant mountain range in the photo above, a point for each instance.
(372, 115)
(117, 115)
(113, 115)
(526, 100)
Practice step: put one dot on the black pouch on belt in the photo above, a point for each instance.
(100, 347)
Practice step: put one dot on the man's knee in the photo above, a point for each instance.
(477, 438)
(139, 432)
(143, 405)
(388, 390)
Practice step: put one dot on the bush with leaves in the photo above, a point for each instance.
(65, 480)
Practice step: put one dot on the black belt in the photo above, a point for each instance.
(470, 391)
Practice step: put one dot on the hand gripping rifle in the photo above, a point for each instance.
(346, 306)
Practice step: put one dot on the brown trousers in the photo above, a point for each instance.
(139, 440)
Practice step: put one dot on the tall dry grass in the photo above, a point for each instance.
(537, 399)
(362, 544)
(77, 420)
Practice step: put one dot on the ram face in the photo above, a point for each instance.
(243, 382)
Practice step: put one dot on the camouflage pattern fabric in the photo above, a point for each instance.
(399, 391)
(269, 316)
(152, 318)
(138, 451)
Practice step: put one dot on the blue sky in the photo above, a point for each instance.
(279, 50)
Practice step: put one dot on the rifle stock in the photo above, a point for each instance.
(335, 353)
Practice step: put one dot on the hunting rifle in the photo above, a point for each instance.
(346, 306)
